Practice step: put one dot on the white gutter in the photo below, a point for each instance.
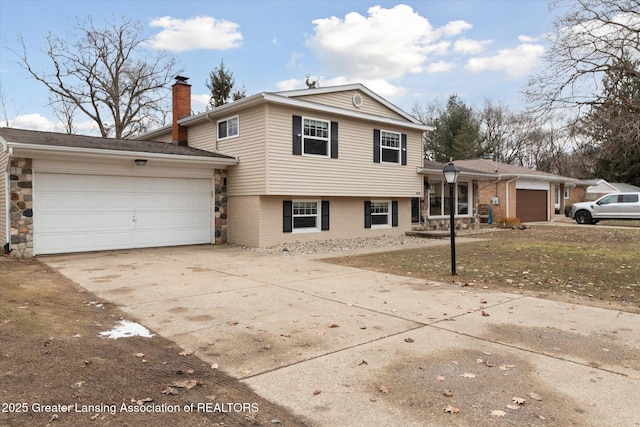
(29, 149)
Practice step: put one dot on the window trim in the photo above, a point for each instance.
(444, 193)
(226, 120)
(388, 214)
(318, 217)
(398, 149)
(328, 139)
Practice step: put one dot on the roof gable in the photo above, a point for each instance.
(346, 96)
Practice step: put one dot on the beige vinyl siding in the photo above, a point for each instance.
(346, 221)
(344, 99)
(4, 195)
(353, 173)
(202, 136)
(249, 176)
(166, 137)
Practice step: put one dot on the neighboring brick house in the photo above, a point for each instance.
(506, 191)
(313, 164)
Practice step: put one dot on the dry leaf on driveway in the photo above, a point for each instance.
(383, 389)
(497, 413)
(188, 384)
(186, 352)
(468, 375)
(451, 409)
(535, 396)
(518, 400)
(440, 378)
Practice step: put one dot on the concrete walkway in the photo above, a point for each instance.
(343, 346)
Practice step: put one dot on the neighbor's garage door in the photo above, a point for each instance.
(531, 205)
(77, 213)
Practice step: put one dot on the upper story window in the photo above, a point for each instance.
(315, 137)
(228, 128)
(390, 146)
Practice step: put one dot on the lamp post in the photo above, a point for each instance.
(451, 175)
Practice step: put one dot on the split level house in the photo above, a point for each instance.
(273, 168)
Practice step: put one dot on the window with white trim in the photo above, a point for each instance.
(306, 216)
(228, 128)
(440, 204)
(316, 137)
(566, 192)
(390, 147)
(380, 214)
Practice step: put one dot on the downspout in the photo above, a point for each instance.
(507, 189)
(7, 246)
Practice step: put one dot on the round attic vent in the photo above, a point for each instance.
(357, 100)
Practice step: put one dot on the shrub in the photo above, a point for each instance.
(509, 222)
(567, 209)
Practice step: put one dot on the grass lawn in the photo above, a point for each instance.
(588, 263)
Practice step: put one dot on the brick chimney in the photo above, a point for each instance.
(181, 106)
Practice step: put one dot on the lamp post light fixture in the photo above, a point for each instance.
(451, 172)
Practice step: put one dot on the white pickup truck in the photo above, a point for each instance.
(612, 206)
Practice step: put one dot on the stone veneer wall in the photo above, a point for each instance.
(21, 207)
(220, 206)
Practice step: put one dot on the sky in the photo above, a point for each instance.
(409, 52)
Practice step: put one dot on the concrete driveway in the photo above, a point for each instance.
(343, 346)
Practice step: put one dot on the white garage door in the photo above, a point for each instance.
(78, 213)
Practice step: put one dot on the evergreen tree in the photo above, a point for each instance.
(456, 135)
(221, 82)
(613, 125)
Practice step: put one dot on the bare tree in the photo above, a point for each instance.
(590, 38)
(105, 73)
(64, 109)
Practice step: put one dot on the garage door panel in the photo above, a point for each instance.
(531, 205)
(76, 213)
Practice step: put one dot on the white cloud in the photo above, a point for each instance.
(202, 99)
(454, 28)
(201, 32)
(383, 46)
(36, 121)
(528, 39)
(294, 60)
(290, 84)
(440, 67)
(470, 47)
(517, 62)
